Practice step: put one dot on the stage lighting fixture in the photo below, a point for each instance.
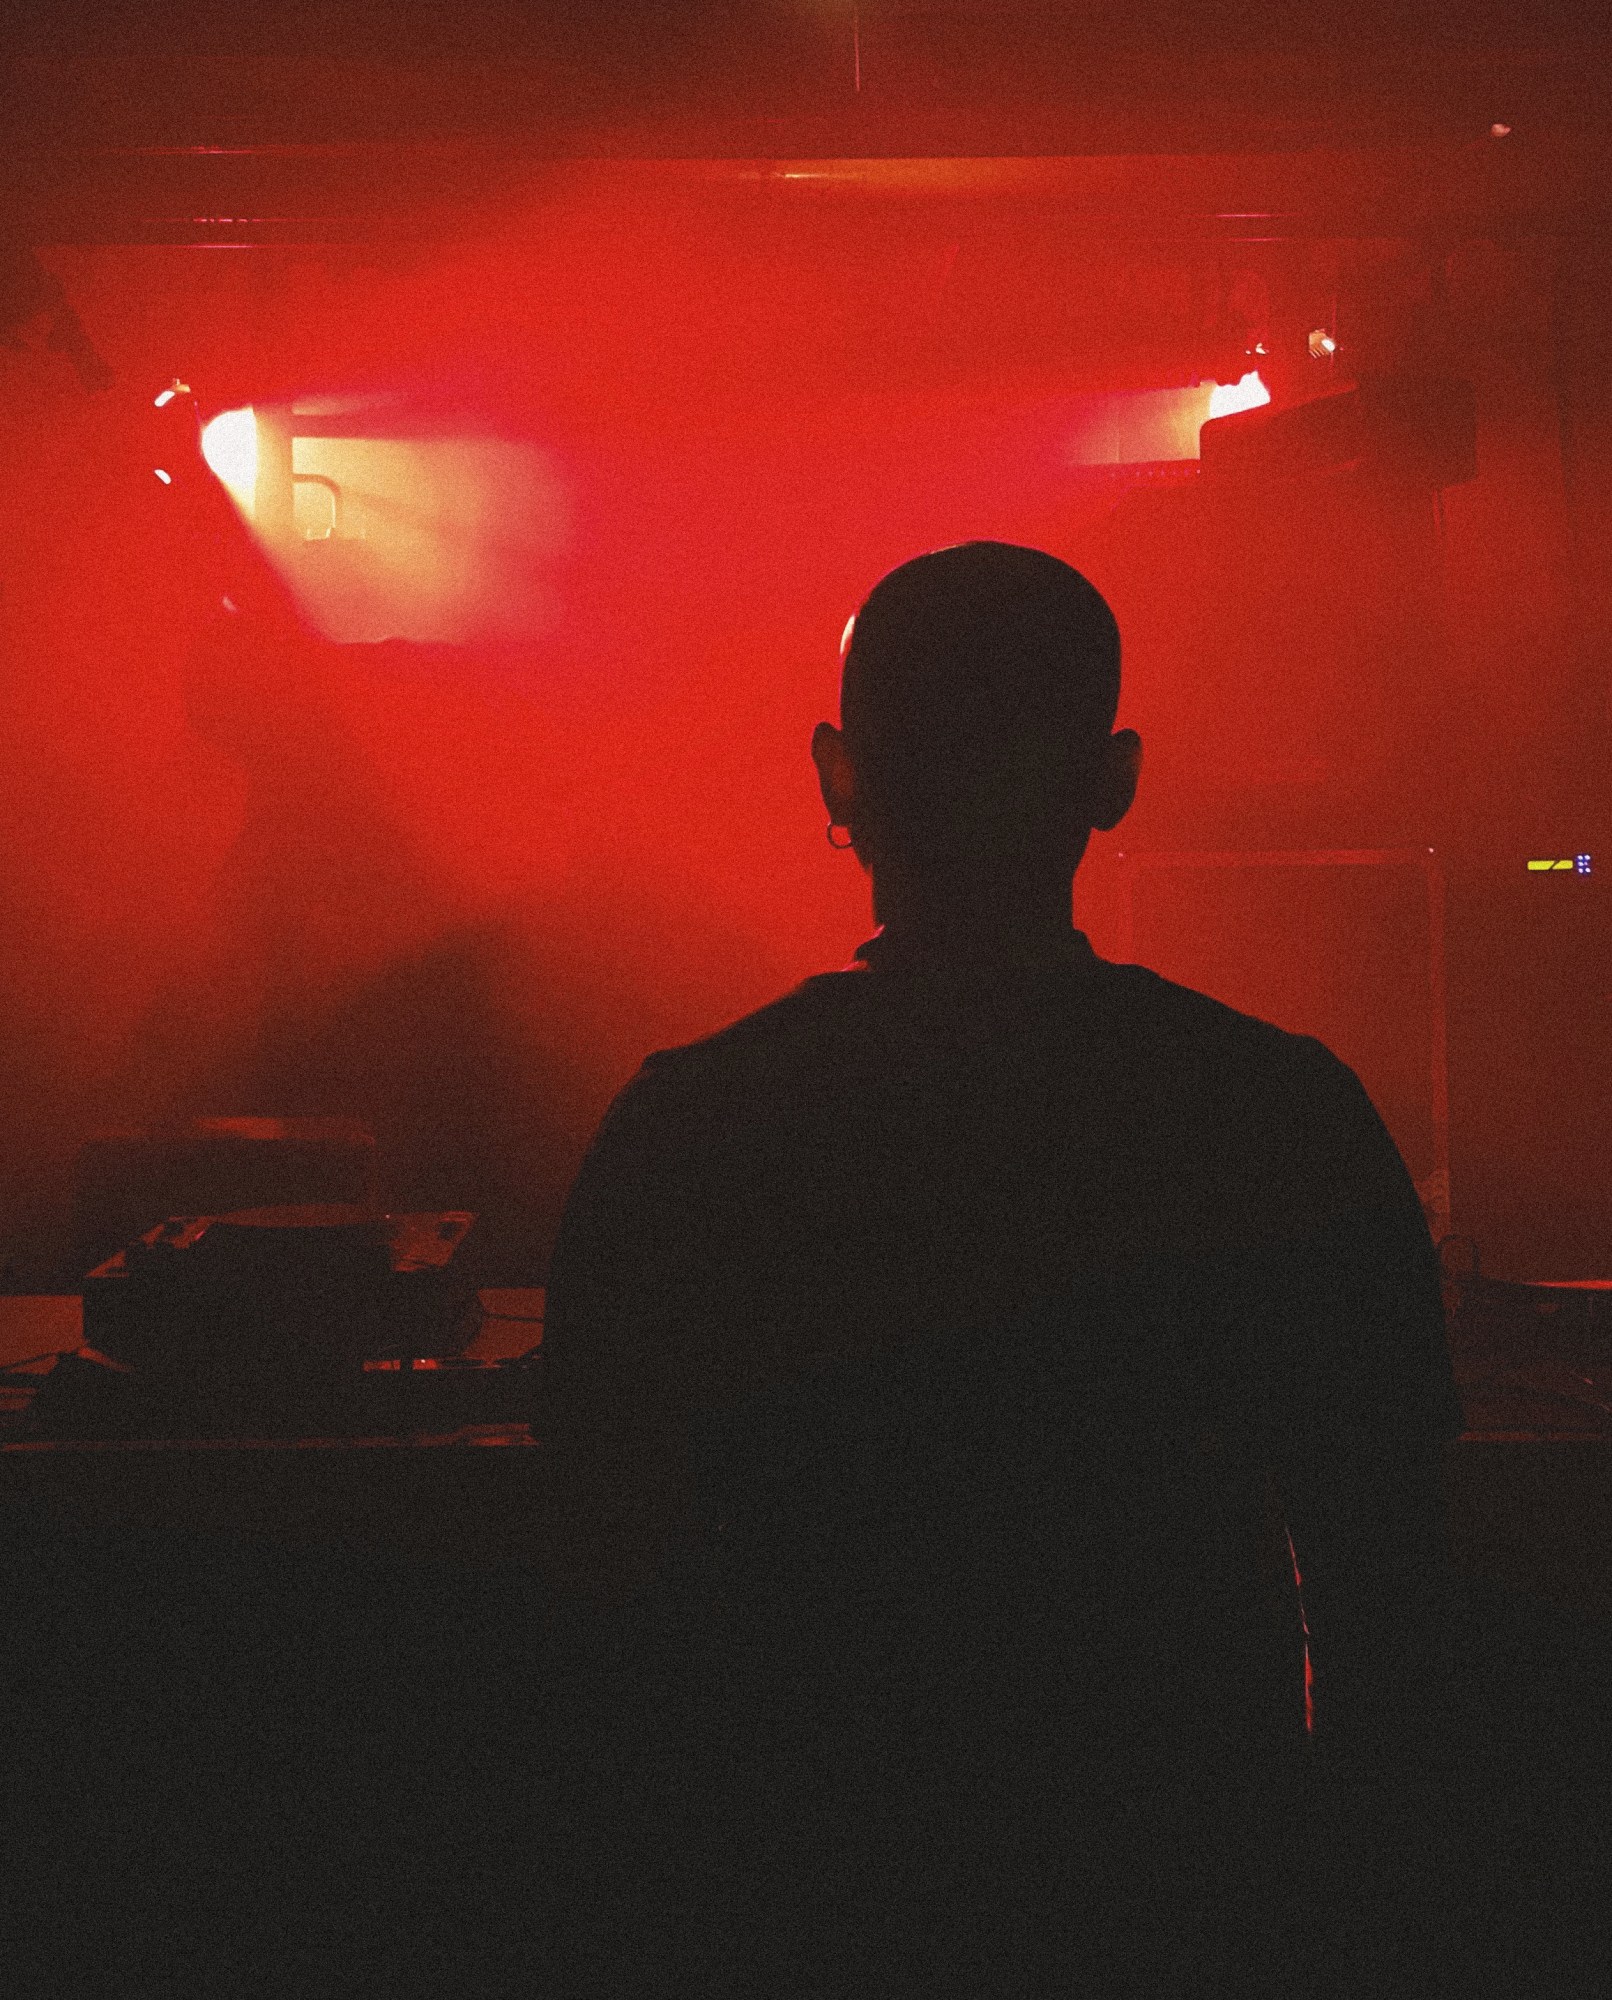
(165, 396)
(1321, 344)
(229, 445)
(1248, 394)
(1157, 427)
(1414, 430)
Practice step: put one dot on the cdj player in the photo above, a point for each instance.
(313, 1287)
(327, 1320)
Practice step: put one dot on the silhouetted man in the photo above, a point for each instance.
(981, 1316)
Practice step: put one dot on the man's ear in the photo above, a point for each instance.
(834, 776)
(1116, 780)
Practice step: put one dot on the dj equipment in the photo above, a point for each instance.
(1546, 1346)
(131, 1177)
(88, 1398)
(316, 1288)
(281, 1322)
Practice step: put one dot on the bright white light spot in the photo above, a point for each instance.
(164, 399)
(1499, 131)
(1229, 397)
(845, 636)
(167, 478)
(229, 445)
(1321, 344)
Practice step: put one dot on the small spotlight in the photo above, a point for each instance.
(167, 478)
(165, 398)
(1498, 131)
(1321, 344)
(174, 388)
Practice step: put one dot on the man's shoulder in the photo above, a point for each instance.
(1241, 1074)
(1171, 1027)
(802, 1017)
(1165, 1012)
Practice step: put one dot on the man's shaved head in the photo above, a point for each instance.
(979, 683)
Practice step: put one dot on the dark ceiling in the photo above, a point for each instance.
(351, 110)
(1146, 76)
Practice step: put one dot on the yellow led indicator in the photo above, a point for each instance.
(1541, 867)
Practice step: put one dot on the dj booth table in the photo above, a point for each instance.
(316, 1675)
(1529, 1483)
(472, 1496)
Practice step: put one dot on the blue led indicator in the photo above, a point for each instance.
(1581, 864)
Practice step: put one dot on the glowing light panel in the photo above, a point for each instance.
(1229, 397)
(229, 445)
(1156, 426)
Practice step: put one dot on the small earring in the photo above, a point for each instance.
(839, 845)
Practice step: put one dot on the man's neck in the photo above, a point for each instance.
(974, 908)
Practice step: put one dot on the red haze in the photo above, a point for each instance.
(666, 438)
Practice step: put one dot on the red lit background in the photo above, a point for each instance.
(631, 437)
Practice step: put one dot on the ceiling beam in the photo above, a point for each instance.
(379, 192)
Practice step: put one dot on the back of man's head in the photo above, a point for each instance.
(980, 683)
